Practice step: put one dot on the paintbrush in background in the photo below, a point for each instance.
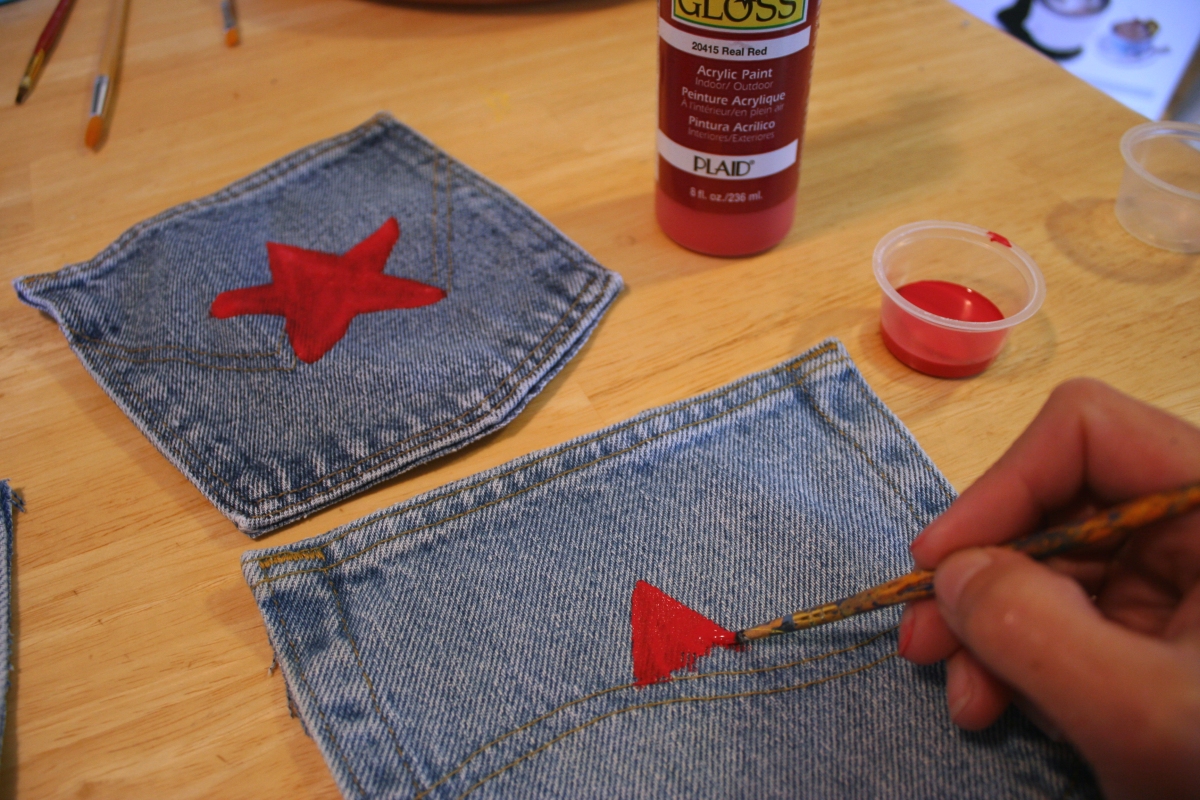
(43, 48)
(1102, 529)
(105, 86)
(233, 34)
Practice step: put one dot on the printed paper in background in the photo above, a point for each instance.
(1141, 73)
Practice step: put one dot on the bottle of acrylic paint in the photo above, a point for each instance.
(732, 95)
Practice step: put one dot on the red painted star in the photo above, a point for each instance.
(320, 293)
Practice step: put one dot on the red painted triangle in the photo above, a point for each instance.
(668, 636)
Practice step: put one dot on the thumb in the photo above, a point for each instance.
(1038, 631)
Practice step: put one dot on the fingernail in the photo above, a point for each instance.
(958, 690)
(917, 544)
(906, 631)
(956, 571)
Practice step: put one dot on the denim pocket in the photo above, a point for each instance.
(271, 431)
(475, 641)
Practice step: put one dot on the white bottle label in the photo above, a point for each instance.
(730, 50)
(730, 168)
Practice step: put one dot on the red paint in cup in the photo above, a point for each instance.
(951, 292)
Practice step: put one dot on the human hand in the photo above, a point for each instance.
(1105, 647)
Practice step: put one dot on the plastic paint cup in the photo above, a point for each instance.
(951, 292)
(1159, 201)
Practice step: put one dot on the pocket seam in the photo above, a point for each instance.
(700, 676)
(551, 479)
(674, 701)
(312, 695)
(371, 685)
(92, 341)
(479, 411)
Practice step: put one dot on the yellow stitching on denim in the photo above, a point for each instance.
(473, 409)
(907, 438)
(441, 425)
(433, 226)
(199, 460)
(525, 489)
(217, 367)
(104, 343)
(170, 441)
(450, 229)
(533, 486)
(550, 353)
(304, 679)
(878, 470)
(530, 487)
(412, 776)
(601, 692)
(631, 423)
(850, 648)
(673, 701)
(266, 562)
(537, 225)
(517, 730)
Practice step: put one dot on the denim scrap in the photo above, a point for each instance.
(10, 503)
(269, 438)
(475, 641)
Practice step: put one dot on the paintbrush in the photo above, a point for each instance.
(1102, 529)
(229, 16)
(105, 85)
(43, 48)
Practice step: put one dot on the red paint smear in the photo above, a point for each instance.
(995, 237)
(669, 636)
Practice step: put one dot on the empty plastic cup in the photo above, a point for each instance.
(1159, 201)
(951, 292)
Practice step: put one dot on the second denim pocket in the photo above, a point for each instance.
(476, 641)
(355, 309)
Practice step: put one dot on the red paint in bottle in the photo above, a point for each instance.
(937, 350)
(732, 97)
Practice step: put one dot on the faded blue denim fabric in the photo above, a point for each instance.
(9, 504)
(269, 438)
(475, 641)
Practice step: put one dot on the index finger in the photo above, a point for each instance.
(1088, 438)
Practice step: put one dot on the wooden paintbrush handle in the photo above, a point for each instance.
(916, 585)
(1101, 529)
(105, 84)
(1109, 525)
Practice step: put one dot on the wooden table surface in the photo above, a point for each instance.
(141, 662)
